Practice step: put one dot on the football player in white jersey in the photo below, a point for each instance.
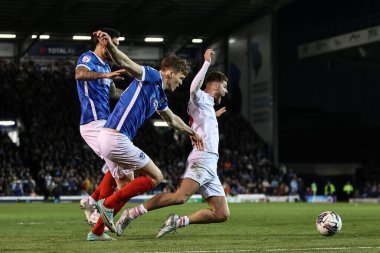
(143, 97)
(201, 172)
(95, 87)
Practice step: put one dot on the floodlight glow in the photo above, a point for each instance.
(154, 39)
(121, 38)
(42, 37)
(197, 41)
(7, 36)
(160, 124)
(7, 123)
(80, 37)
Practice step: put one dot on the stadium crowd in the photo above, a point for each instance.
(53, 160)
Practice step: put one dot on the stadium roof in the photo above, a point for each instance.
(178, 21)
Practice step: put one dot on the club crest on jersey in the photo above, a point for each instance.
(195, 168)
(154, 103)
(86, 58)
(163, 100)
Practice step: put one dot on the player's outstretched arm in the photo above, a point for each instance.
(177, 123)
(198, 79)
(83, 73)
(118, 57)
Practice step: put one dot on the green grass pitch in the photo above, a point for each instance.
(263, 227)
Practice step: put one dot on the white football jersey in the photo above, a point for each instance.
(203, 120)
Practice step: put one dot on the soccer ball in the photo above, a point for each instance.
(328, 223)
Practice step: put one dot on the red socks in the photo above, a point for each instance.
(99, 226)
(108, 185)
(138, 186)
(117, 200)
(105, 188)
(96, 193)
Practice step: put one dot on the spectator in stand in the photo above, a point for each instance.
(314, 188)
(348, 190)
(17, 188)
(282, 189)
(293, 185)
(59, 151)
(329, 189)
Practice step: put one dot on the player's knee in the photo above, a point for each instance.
(157, 179)
(181, 199)
(222, 216)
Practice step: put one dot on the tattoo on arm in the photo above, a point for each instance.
(82, 73)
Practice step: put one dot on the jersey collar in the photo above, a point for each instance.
(212, 99)
(162, 82)
(98, 58)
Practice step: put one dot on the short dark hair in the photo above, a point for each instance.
(113, 33)
(215, 76)
(178, 64)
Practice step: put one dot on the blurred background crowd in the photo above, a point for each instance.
(52, 159)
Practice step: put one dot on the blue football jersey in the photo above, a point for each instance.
(94, 94)
(138, 102)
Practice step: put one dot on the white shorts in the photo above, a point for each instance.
(120, 154)
(202, 168)
(90, 132)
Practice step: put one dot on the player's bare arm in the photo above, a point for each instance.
(118, 57)
(177, 123)
(82, 73)
(198, 79)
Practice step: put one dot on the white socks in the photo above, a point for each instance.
(137, 211)
(182, 222)
(92, 201)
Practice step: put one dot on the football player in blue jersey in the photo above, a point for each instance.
(144, 96)
(95, 86)
(201, 170)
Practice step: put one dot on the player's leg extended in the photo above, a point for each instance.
(187, 188)
(218, 211)
(214, 195)
(152, 176)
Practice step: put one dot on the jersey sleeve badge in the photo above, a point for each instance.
(86, 58)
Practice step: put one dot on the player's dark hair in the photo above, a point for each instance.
(215, 76)
(113, 33)
(178, 64)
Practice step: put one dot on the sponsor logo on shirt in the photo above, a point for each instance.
(106, 81)
(142, 155)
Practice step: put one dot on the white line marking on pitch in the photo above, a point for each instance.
(40, 223)
(322, 249)
(267, 250)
